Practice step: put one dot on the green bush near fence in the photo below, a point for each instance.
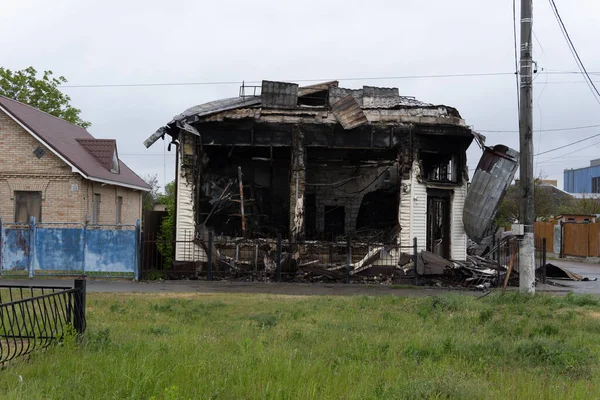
(191, 346)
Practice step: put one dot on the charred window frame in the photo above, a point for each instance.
(444, 168)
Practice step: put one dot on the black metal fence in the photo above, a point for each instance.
(540, 259)
(33, 317)
(507, 249)
(308, 261)
(218, 257)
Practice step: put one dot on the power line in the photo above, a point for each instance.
(514, 10)
(567, 145)
(563, 82)
(540, 130)
(464, 75)
(567, 154)
(440, 76)
(574, 52)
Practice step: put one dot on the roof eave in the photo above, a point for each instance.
(114, 183)
(74, 169)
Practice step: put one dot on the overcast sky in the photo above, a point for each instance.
(131, 42)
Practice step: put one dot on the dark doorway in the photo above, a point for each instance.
(335, 221)
(438, 222)
(310, 215)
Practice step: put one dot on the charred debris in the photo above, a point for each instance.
(353, 184)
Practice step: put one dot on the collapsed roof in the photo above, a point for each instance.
(351, 108)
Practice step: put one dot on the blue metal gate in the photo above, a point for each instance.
(69, 249)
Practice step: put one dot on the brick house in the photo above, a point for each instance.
(56, 171)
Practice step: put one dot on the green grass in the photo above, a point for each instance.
(193, 346)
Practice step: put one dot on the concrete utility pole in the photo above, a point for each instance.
(527, 247)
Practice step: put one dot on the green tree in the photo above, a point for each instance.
(586, 205)
(165, 236)
(546, 203)
(42, 93)
(150, 198)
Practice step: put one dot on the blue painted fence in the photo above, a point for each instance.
(69, 249)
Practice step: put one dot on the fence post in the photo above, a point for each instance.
(32, 231)
(562, 240)
(348, 259)
(415, 260)
(79, 306)
(278, 258)
(138, 265)
(83, 245)
(141, 254)
(544, 260)
(209, 265)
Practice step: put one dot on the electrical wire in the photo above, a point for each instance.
(541, 130)
(567, 145)
(208, 83)
(567, 154)
(463, 75)
(574, 52)
(514, 9)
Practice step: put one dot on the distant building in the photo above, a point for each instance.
(551, 182)
(577, 218)
(583, 180)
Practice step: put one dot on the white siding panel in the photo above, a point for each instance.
(185, 227)
(413, 211)
(458, 250)
(419, 214)
(405, 217)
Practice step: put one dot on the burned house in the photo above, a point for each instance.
(321, 163)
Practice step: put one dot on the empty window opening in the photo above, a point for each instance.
(317, 99)
(310, 215)
(439, 167)
(378, 210)
(27, 205)
(266, 186)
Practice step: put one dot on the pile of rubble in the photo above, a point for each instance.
(483, 269)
